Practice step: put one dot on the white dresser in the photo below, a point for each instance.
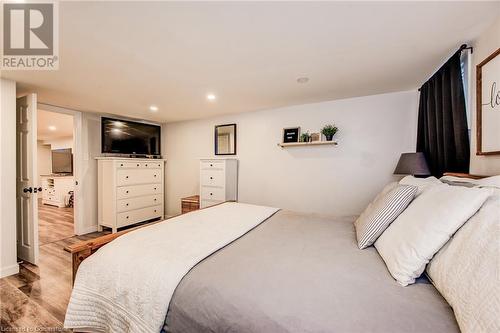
(55, 189)
(218, 181)
(130, 190)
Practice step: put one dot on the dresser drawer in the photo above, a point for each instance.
(212, 165)
(138, 215)
(212, 193)
(139, 165)
(125, 192)
(138, 176)
(212, 178)
(139, 202)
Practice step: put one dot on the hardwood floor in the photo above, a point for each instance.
(35, 300)
(54, 223)
(37, 297)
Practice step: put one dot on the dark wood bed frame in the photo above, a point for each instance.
(82, 250)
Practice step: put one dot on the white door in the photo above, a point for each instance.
(27, 187)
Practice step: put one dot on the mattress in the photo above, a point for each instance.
(302, 273)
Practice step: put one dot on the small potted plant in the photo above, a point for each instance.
(305, 137)
(329, 131)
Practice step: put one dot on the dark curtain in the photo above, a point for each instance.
(442, 121)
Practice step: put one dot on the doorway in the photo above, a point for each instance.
(55, 165)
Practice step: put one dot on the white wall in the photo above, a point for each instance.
(8, 249)
(485, 45)
(91, 139)
(340, 180)
(60, 143)
(44, 160)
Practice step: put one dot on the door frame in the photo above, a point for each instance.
(78, 162)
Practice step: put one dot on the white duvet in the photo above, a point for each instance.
(126, 286)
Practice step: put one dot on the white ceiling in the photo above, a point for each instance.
(63, 124)
(121, 57)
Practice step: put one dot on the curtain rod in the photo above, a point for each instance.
(465, 47)
(461, 48)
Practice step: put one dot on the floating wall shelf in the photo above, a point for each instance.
(305, 144)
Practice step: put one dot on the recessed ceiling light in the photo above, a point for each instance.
(303, 79)
(52, 128)
(153, 108)
(211, 97)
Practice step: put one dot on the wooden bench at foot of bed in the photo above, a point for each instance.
(82, 250)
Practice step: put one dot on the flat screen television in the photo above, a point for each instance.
(129, 137)
(62, 161)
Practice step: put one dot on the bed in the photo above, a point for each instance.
(244, 268)
(291, 272)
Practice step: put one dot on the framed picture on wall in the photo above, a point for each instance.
(488, 105)
(291, 134)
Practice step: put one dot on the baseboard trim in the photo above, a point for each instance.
(87, 230)
(9, 270)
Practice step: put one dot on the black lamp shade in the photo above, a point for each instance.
(412, 164)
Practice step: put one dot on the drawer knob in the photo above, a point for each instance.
(211, 165)
(155, 210)
(126, 191)
(146, 165)
(155, 188)
(211, 194)
(211, 177)
(155, 176)
(126, 177)
(127, 216)
(126, 204)
(159, 164)
(155, 199)
(121, 164)
(137, 164)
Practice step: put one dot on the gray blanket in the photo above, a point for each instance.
(302, 273)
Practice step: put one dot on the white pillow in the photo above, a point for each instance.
(381, 212)
(425, 226)
(493, 181)
(387, 188)
(458, 181)
(466, 270)
(423, 184)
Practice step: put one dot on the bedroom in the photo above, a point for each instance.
(182, 69)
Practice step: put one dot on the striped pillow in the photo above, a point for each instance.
(381, 213)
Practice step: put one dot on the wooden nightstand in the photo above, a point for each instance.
(190, 203)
